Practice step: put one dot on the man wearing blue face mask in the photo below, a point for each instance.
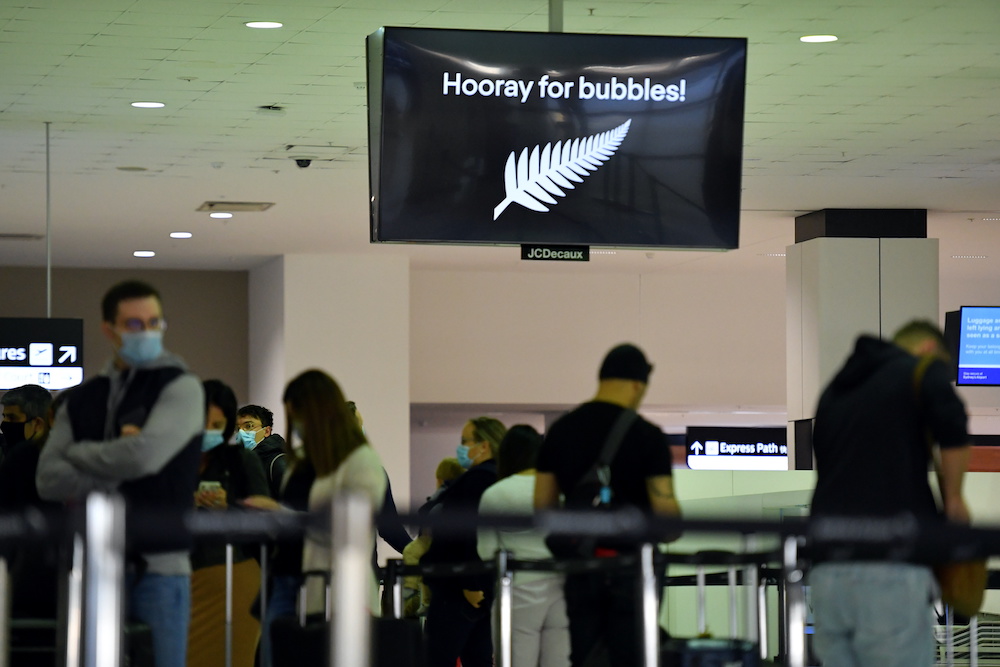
(137, 428)
(256, 424)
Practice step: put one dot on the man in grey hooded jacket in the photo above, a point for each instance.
(136, 428)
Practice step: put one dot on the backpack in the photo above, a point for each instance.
(592, 492)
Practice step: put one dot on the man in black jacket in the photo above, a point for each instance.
(256, 429)
(458, 620)
(875, 423)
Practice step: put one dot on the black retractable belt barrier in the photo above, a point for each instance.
(892, 538)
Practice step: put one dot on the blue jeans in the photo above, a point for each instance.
(163, 602)
(873, 614)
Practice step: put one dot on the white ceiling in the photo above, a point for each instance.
(903, 111)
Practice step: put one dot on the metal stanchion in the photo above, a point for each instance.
(350, 547)
(974, 641)
(265, 635)
(4, 613)
(751, 629)
(104, 580)
(395, 583)
(505, 603)
(74, 607)
(795, 601)
(949, 636)
(700, 594)
(731, 585)
(762, 630)
(229, 605)
(650, 608)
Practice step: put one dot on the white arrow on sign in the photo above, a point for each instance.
(697, 447)
(68, 352)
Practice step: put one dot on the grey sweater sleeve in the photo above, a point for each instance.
(57, 478)
(177, 416)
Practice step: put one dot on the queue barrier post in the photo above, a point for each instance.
(104, 569)
(795, 603)
(350, 562)
(5, 594)
(505, 604)
(650, 605)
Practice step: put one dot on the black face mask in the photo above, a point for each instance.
(13, 432)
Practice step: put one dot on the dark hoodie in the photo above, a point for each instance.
(271, 451)
(870, 433)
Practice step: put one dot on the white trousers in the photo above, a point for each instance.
(540, 634)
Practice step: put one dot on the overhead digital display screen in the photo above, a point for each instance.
(43, 351)
(482, 137)
(979, 346)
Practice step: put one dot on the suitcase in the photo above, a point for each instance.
(33, 643)
(704, 650)
(395, 642)
(708, 652)
(305, 640)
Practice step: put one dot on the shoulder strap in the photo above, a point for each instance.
(600, 471)
(270, 468)
(919, 371)
(615, 437)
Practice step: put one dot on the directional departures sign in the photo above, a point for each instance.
(42, 351)
(736, 448)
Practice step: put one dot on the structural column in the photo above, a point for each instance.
(851, 271)
(347, 315)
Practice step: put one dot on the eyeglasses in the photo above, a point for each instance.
(135, 324)
(249, 426)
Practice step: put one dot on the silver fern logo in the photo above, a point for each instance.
(532, 179)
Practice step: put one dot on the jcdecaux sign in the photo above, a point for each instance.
(559, 253)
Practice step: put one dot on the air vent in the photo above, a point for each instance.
(235, 206)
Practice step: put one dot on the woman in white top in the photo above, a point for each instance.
(334, 443)
(540, 627)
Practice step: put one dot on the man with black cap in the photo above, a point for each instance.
(605, 605)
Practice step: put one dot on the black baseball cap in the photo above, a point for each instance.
(625, 362)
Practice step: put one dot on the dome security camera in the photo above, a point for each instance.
(303, 162)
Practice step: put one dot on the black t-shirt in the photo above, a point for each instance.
(574, 442)
(870, 434)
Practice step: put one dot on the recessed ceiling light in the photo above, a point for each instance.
(181, 235)
(144, 253)
(970, 256)
(148, 105)
(603, 252)
(219, 215)
(263, 25)
(771, 254)
(818, 39)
